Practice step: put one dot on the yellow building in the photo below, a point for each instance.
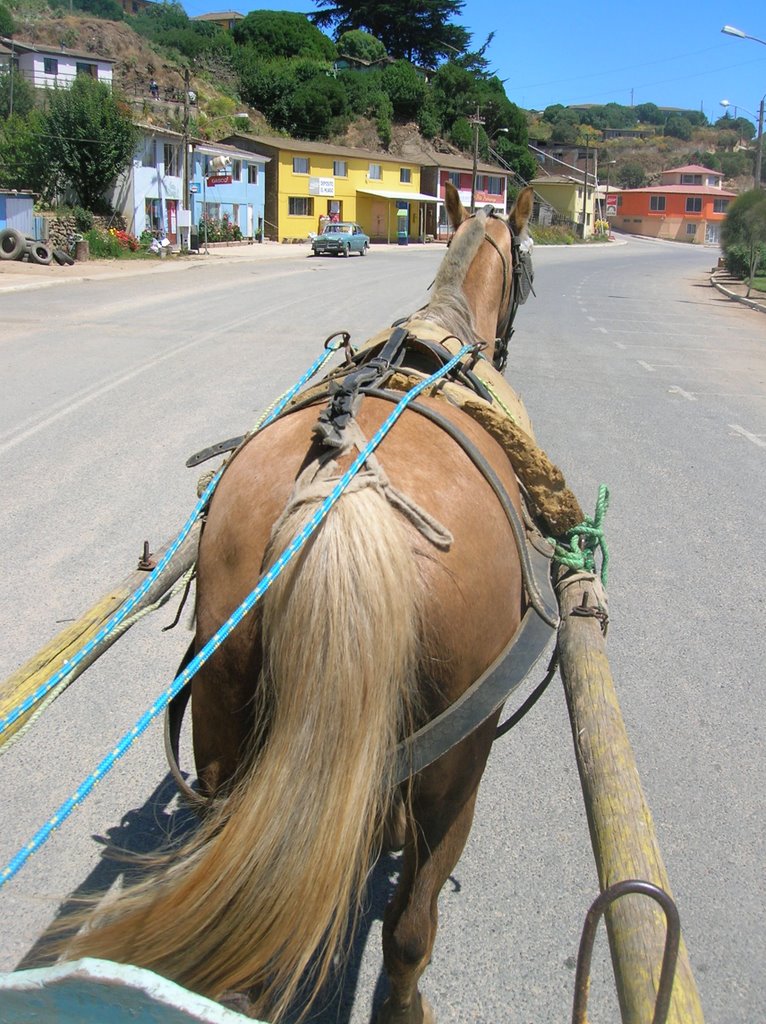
(307, 182)
(565, 194)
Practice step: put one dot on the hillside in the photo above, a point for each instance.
(138, 61)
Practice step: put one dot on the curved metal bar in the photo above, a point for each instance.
(669, 958)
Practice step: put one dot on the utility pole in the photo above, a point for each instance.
(10, 83)
(759, 145)
(476, 120)
(585, 195)
(185, 165)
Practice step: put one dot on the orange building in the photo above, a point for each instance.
(688, 205)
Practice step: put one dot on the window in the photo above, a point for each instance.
(236, 170)
(691, 179)
(339, 169)
(657, 203)
(691, 229)
(405, 175)
(300, 165)
(453, 177)
(375, 172)
(252, 174)
(153, 214)
(300, 206)
(213, 211)
(719, 205)
(148, 155)
(694, 204)
(50, 66)
(493, 185)
(172, 159)
(83, 68)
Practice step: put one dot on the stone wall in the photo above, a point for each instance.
(60, 231)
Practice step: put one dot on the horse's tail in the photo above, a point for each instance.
(269, 885)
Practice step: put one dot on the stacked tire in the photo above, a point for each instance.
(14, 246)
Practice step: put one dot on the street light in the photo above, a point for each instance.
(730, 30)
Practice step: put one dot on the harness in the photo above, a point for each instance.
(518, 284)
(539, 624)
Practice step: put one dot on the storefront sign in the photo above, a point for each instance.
(321, 186)
(219, 179)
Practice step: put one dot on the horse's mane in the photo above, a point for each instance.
(448, 306)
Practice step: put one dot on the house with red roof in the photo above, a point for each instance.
(688, 205)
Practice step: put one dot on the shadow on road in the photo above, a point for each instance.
(160, 822)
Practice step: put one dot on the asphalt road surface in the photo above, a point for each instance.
(636, 373)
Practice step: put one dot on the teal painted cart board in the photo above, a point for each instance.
(95, 991)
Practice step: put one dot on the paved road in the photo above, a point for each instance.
(635, 372)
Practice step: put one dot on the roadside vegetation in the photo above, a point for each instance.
(743, 239)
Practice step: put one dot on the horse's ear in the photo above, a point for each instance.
(522, 210)
(456, 212)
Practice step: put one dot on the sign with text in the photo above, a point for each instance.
(611, 206)
(219, 179)
(321, 186)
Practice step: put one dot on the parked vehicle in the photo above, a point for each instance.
(341, 240)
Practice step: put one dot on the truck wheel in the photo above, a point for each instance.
(12, 244)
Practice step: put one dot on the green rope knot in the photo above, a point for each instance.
(577, 548)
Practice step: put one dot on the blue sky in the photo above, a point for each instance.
(671, 55)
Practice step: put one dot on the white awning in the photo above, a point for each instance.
(418, 197)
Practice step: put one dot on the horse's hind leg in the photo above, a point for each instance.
(443, 806)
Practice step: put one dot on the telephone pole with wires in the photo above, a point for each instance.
(476, 121)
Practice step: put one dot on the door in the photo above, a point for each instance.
(171, 208)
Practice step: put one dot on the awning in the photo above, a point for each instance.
(418, 197)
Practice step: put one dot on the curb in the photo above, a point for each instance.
(750, 303)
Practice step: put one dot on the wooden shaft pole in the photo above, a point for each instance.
(41, 666)
(622, 833)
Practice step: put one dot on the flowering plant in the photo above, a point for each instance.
(125, 239)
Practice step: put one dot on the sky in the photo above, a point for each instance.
(674, 55)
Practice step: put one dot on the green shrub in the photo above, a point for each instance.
(738, 259)
(83, 218)
(102, 245)
(553, 234)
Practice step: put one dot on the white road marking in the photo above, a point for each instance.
(603, 330)
(675, 390)
(746, 433)
(646, 366)
(619, 344)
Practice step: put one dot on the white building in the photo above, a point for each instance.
(46, 67)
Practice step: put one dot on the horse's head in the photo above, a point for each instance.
(490, 258)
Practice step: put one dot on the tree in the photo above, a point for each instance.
(361, 46)
(405, 87)
(283, 34)
(420, 31)
(679, 127)
(6, 21)
(744, 229)
(89, 139)
(744, 129)
(23, 94)
(23, 163)
(631, 175)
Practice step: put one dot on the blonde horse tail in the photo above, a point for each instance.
(272, 881)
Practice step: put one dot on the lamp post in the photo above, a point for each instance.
(758, 138)
(730, 30)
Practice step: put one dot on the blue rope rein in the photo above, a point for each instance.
(7, 720)
(124, 744)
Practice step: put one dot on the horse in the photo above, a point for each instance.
(409, 589)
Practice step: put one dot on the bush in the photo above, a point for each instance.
(553, 234)
(738, 260)
(222, 230)
(112, 244)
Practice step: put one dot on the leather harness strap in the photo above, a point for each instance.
(488, 693)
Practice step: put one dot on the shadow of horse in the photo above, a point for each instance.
(161, 820)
